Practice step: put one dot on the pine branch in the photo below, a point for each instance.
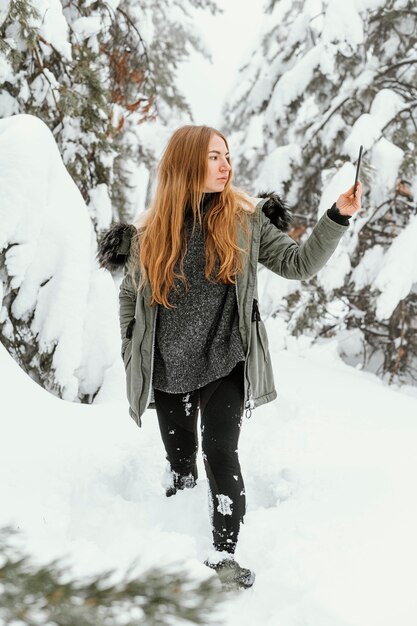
(41, 595)
(389, 68)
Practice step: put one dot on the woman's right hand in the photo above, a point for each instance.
(347, 203)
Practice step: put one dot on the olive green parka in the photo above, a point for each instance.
(269, 246)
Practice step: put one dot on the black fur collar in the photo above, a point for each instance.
(276, 210)
(114, 246)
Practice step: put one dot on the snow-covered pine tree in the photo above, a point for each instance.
(101, 76)
(326, 77)
(94, 72)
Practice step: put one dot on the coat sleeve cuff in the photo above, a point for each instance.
(336, 216)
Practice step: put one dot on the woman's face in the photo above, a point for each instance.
(218, 165)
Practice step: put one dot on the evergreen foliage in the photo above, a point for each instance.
(108, 69)
(37, 595)
(101, 75)
(317, 86)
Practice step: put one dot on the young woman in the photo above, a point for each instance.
(192, 337)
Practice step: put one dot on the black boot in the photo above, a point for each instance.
(231, 574)
(181, 481)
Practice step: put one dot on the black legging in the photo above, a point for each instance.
(221, 404)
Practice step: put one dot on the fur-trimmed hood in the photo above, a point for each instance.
(114, 246)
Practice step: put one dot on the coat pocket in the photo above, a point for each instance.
(260, 329)
(263, 337)
(129, 329)
(127, 353)
(127, 339)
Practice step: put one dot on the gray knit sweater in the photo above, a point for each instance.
(199, 340)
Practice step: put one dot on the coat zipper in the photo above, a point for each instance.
(248, 409)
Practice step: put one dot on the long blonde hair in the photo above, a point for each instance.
(159, 241)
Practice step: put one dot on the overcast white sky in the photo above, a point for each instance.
(228, 36)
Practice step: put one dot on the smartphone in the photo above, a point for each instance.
(358, 167)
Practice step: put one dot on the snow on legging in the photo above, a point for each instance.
(221, 404)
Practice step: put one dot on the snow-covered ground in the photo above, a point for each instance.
(329, 467)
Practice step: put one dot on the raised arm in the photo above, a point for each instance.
(285, 257)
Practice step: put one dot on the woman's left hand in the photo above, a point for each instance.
(347, 203)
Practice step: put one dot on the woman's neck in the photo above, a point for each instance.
(205, 203)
